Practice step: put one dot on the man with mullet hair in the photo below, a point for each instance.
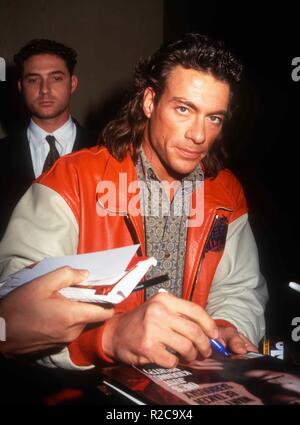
(169, 132)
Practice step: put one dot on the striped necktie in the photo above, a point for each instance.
(53, 154)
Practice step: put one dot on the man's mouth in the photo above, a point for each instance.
(189, 154)
(46, 102)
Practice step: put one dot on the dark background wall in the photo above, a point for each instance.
(109, 36)
(264, 141)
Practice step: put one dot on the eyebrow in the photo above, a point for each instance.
(36, 74)
(194, 107)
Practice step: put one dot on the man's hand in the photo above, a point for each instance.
(236, 342)
(38, 317)
(160, 331)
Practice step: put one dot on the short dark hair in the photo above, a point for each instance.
(193, 51)
(41, 46)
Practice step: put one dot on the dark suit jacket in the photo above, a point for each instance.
(16, 169)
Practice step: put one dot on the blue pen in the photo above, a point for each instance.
(217, 346)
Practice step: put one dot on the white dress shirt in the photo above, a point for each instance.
(39, 147)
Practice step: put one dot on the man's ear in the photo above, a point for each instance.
(148, 101)
(74, 83)
(20, 86)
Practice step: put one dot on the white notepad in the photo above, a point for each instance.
(105, 267)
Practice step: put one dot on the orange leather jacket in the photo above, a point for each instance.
(76, 179)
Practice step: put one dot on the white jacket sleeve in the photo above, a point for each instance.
(42, 225)
(239, 291)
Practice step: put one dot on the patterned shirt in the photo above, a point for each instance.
(165, 223)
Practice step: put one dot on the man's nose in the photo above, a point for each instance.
(196, 131)
(44, 87)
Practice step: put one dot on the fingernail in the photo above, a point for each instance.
(163, 290)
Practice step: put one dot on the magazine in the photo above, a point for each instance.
(239, 380)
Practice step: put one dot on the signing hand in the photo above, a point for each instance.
(160, 331)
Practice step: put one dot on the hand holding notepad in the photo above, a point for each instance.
(106, 268)
(120, 291)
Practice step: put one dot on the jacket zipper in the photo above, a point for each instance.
(129, 224)
(216, 217)
(133, 233)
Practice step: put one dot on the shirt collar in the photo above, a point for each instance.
(37, 134)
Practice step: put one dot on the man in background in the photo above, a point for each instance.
(47, 81)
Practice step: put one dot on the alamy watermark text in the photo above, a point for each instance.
(2, 329)
(2, 69)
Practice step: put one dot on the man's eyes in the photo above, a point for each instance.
(215, 119)
(33, 80)
(183, 110)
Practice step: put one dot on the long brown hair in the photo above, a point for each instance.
(194, 51)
